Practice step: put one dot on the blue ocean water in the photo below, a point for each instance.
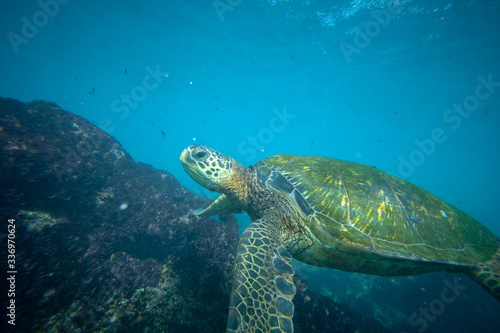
(411, 87)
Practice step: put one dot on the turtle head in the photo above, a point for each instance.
(208, 167)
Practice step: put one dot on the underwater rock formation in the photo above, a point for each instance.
(104, 243)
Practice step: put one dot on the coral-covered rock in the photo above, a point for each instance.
(104, 243)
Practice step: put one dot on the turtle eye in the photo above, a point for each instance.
(200, 154)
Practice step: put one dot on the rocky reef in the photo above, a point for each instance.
(104, 243)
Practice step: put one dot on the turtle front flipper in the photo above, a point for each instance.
(221, 206)
(262, 291)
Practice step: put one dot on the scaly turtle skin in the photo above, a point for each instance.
(332, 213)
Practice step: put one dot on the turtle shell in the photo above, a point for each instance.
(377, 211)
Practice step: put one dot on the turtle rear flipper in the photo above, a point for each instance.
(488, 274)
(262, 291)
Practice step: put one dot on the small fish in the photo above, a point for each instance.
(125, 70)
(92, 92)
(163, 133)
(153, 124)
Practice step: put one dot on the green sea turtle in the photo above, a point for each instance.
(332, 213)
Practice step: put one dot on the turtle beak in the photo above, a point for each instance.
(187, 161)
(190, 166)
(185, 156)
